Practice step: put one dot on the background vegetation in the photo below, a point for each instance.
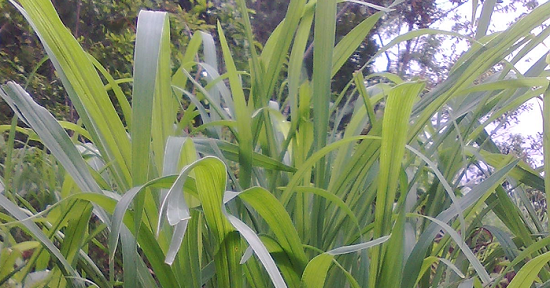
(227, 153)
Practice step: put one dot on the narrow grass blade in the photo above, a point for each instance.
(165, 105)
(179, 212)
(528, 273)
(128, 197)
(359, 82)
(374, 6)
(358, 247)
(529, 251)
(345, 48)
(394, 135)
(295, 64)
(283, 261)
(65, 266)
(481, 191)
(316, 271)
(546, 139)
(151, 93)
(481, 272)
(429, 261)
(260, 250)
(325, 27)
(211, 67)
(522, 172)
(51, 134)
(150, 28)
(255, 67)
(331, 198)
(391, 275)
(211, 180)
(231, 152)
(177, 238)
(395, 127)
(244, 136)
(485, 18)
(190, 253)
(148, 243)
(284, 39)
(510, 249)
(77, 227)
(279, 223)
(474, 9)
(445, 184)
(125, 107)
(83, 86)
(306, 166)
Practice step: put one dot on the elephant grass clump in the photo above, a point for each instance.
(263, 193)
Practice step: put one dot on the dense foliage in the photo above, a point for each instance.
(207, 171)
(106, 29)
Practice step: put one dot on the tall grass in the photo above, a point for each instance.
(267, 193)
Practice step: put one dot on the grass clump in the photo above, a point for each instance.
(274, 193)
